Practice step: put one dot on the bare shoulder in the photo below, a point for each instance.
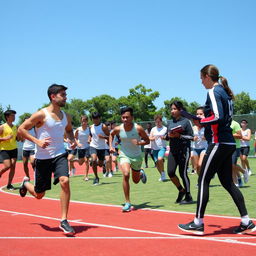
(139, 128)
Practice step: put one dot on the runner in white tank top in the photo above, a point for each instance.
(51, 123)
(99, 133)
(83, 137)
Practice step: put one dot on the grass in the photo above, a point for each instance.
(159, 195)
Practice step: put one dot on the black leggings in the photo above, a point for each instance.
(147, 152)
(180, 159)
(218, 159)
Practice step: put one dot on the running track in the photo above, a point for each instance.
(30, 227)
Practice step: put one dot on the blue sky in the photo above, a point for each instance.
(107, 47)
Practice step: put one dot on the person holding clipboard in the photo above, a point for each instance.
(180, 134)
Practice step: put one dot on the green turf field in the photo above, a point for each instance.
(159, 195)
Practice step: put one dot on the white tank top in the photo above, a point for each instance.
(244, 143)
(97, 142)
(29, 145)
(83, 136)
(55, 130)
(201, 142)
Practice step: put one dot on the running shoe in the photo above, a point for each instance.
(191, 227)
(67, 229)
(249, 172)
(187, 200)
(110, 174)
(246, 176)
(23, 190)
(180, 196)
(10, 187)
(127, 207)
(86, 179)
(244, 229)
(143, 176)
(96, 181)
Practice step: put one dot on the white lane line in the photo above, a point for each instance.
(213, 239)
(119, 206)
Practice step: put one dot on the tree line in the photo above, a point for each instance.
(141, 99)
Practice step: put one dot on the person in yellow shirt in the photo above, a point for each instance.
(8, 146)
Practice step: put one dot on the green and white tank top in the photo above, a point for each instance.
(128, 148)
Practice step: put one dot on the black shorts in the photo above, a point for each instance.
(28, 153)
(83, 152)
(235, 156)
(44, 169)
(9, 154)
(99, 152)
(72, 151)
(244, 151)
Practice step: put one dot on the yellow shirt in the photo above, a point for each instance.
(8, 144)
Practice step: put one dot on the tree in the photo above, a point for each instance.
(106, 105)
(141, 100)
(243, 104)
(23, 117)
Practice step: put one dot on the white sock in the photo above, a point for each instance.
(198, 221)
(245, 219)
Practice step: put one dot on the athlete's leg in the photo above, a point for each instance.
(12, 170)
(183, 166)
(64, 196)
(125, 168)
(171, 168)
(25, 165)
(7, 165)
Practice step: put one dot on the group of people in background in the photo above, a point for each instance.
(209, 143)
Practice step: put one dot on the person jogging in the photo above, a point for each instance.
(8, 146)
(50, 124)
(218, 158)
(132, 137)
(180, 134)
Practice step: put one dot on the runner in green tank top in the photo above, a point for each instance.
(132, 138)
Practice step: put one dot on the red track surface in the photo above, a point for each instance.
(30, 227)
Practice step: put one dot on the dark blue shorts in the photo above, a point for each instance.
(83, 152)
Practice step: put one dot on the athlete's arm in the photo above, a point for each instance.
(189, 133)
(70, 133)
(248, 137)
(143, 135)
(36, 120)
(238, 135)
(106, 131)
(115, 132)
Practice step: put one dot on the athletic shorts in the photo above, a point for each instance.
(99, 152)
(28, 153)
(244, 151)
(135, 162)
(72, 151)
(83, 152)
(158, 153)
(235, 156)
(198, 151)
(9, 154)
(44, 169)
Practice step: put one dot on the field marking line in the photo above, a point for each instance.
(118, 206)
(212, 239)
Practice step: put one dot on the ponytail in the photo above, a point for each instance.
(224, 83)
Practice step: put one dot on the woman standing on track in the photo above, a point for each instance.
(218, 158)
(180, 134)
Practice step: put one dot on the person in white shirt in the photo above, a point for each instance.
(245, 145)
(158, 145)
(28, 152)
(51, 123)
(82, 136)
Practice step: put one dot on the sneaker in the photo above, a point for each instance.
(67, 229)
(249, 172)
(86, 179)
(188, 200)
(96, 181)
(243, 229)
(163, 178)
(240, 182)
(143, 176)
(10, 187)
(106, 174)
(127, 207)
(180, 196)
(110, 175)
(23, 190)
(246, 176)
(191, 227)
